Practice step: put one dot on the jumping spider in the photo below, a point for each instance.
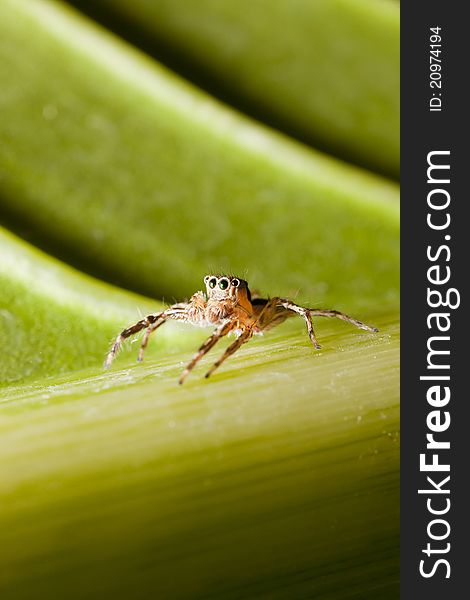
(229, 305)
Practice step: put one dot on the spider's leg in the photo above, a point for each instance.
(303, 312)
(219, 332)
(145, 338)
(176, 312)
(241, 339)
(314, 312)
(146, 322)
(308, 313)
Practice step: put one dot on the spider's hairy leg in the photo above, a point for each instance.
(241, 339)
(314, 312)
(145, 338)
(146, 322)
(176, 312)
(219, 332)
(303, 312)
(308, 313)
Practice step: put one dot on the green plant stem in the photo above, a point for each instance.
(278, 478)
(122, 169)
(54, 319)
(326, 72)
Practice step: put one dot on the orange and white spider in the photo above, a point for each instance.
(228, 305)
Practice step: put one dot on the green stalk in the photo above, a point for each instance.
(54, 319)
(325, 71)
(120, 168)
(277, 478)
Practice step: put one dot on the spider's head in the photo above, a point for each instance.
(225, 287)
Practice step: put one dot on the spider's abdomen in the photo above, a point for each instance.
(269, 315)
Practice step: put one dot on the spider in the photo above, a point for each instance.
(229, 305)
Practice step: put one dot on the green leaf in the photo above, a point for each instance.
(326, 71)
(54, 319)
(122, 169)
(276, 478)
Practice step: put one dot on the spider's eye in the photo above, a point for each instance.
(235, 282)
(212, 282)
(223, 284)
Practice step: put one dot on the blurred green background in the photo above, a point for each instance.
(143, 145)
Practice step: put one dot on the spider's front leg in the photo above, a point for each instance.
(211, 341)
(151, 322)
(182, 311)
(148, 321)
(246, 335)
